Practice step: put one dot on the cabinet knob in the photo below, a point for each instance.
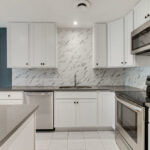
(8, 95)
(145, 17)
(41, 64)
(96, 64)
(77, 102)
(74, 102)
(27, 64)
(121, 62)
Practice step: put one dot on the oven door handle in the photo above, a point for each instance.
(131, 106)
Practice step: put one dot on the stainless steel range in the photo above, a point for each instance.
(130, 124)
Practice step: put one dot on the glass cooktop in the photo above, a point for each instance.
(138, 97)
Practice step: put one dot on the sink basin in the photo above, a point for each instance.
(74, 87)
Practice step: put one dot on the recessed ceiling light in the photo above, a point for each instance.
(75, 23)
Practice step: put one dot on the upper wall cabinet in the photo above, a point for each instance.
(32, 45)
(129, 59)
(119, 42)
(100, 45)
(141, 13)
(112, 48)
(43, 44)
(18, 45)
(116, 43)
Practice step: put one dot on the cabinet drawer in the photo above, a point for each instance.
(11, 102)
(79, 95)
(11, 95)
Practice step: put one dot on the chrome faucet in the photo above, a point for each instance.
(75, 80)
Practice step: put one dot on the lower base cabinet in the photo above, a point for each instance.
(106, 105)
(65, 113)
(75, 109)
(84, 109)
(87, 113)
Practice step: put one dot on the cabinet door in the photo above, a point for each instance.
(43, 44)
(65, 113)
(140, 12)
(50, 57)
(116, 43)
(18, 45)
(106, 107)
(100, 45)
(87, 113)
(129, 58)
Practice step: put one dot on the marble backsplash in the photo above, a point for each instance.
(74, 56)
(136, 77)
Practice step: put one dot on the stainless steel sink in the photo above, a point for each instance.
(75, 87)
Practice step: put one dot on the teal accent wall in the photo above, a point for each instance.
(5, 73)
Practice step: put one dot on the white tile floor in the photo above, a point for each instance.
(98, 140)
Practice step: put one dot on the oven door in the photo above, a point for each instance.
(130, 123)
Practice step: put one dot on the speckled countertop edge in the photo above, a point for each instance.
(35, 107)
(54, 88)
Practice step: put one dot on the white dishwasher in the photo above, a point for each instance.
(44, 115)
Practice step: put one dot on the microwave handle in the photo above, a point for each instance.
(131, 106)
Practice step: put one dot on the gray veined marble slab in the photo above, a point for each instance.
(12, 117)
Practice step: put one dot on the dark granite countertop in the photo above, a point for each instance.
(54, 88)
(12, 117)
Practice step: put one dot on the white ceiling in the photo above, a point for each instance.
(63, 11)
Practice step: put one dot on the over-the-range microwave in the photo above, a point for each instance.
(140, 40)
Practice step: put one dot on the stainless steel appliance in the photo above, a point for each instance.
(130, 124)
(45, 115)
(141, 40)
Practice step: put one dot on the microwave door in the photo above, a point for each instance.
(141, 40)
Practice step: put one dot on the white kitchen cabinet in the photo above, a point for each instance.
(141, 13)
(106, 109)
(129, 59)
(113, 51)
(23, 138)
(119, 42)
(75, 109)
(100, 45)
(18, 45)
(65, 113)
(32, 45)
(87, 113)
(11, 98)
(116, 43)
(43, 44)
